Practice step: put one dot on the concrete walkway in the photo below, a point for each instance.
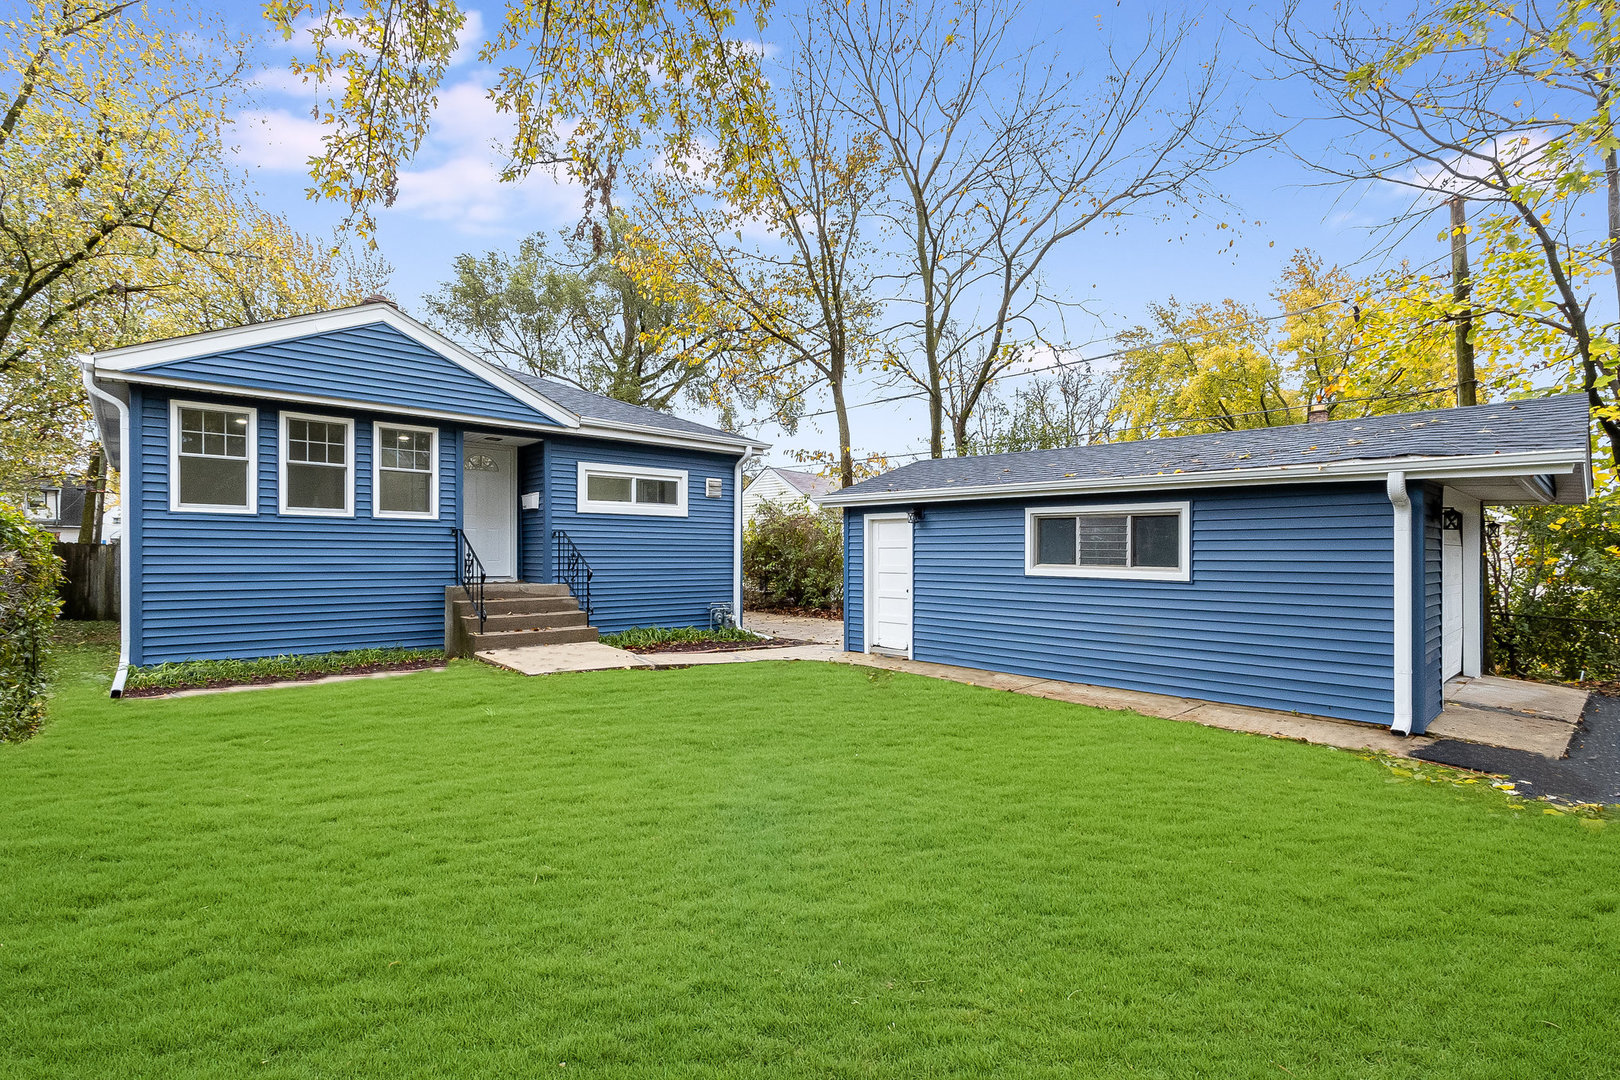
(795, 627)
(1535, 718)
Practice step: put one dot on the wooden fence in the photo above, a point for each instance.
(89, 580)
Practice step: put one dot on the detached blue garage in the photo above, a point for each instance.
(1330, 568)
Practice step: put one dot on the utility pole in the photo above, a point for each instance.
(1460, 289)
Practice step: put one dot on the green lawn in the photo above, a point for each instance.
(773, 870)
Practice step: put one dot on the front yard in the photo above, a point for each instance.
(769, 870)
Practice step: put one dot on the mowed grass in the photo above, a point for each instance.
(772, 870)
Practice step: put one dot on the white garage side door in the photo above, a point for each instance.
(1451, 603)
(889, 584)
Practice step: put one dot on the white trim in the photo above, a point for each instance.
(1531, 462)
(1395, 488)
(1473, 539)
(348, 467)
(1180, 572)
(377, 470)
(737, 543)
(586, 505)
(587, 429)
(127, 496)
(133, 357)
(175, 505)
(867, 591)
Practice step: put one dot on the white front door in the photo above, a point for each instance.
(888, 581)
(489, 517)
(1451, 603)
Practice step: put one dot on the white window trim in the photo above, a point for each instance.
(588, 506)
(1130, 573)
(252, 507)
(348, 468)
(377, 470)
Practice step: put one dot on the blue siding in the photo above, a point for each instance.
(854, 581)
(234, 585)
(1429, 689)
(534, 545)
(1289, 606)
(375, 365)
(649, 571)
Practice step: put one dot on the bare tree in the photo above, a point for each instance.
(998, 156)
(1486, 103)
(801, 294)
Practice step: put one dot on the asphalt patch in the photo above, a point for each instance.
(1590, 773)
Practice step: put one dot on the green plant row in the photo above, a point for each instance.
(194, 673)
(641, 637)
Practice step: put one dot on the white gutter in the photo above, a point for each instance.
(126, 500)
(1459, 467)
(737, 542)
(1395, 487)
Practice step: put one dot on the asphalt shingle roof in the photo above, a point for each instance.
(808, 483)
(1549, 423)
(612, 411)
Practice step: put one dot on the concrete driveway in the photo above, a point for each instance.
(795, 627)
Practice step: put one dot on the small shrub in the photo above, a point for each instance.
(794, 558)
(29, 574)
(186, 674)
(644, 637)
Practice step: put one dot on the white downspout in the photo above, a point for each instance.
(1402, 502)
(125, 498)
(737, 541)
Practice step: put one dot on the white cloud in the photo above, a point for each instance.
(276, 141)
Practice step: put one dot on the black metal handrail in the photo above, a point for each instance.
(573, 570)
(470, 576)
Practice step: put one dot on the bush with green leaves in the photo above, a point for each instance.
(793, 558)
(29, 574)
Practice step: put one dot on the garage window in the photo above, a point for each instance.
(1149, 541)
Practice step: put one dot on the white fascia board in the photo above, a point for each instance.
(588, 429)
(1531, 462)
(134, 357)
(601, 429)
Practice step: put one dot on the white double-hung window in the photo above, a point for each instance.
(625, 489)
(213, 458)
(1142, 540)
(405, 471)
(317, 465)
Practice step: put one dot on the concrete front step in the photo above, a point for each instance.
(519, 605)
(513, 639)
(506, 590)
(527, 620)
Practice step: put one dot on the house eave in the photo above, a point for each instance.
(1526, 463)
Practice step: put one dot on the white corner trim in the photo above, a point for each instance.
(133, 357)
(175, 505)
(737, 541)
(585, 505)
(1183, 572)
(377, 471)
(348, 467)
(129, 495)
(1395, 488)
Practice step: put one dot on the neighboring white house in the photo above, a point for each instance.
(787, 488)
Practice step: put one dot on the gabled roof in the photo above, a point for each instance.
(805, 483)
(1532, 437)
(494, 395)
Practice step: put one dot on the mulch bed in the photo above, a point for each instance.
(714, 646)
(262, 680)
(835, 615)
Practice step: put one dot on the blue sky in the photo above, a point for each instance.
(450, 201)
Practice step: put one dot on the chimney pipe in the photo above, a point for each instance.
(1316, 414)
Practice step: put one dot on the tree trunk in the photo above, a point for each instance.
(95, 479)
(1467, 384)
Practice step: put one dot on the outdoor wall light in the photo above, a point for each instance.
(1451, 519)
(914, 515)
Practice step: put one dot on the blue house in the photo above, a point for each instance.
(346, 480)
(1329, 568)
